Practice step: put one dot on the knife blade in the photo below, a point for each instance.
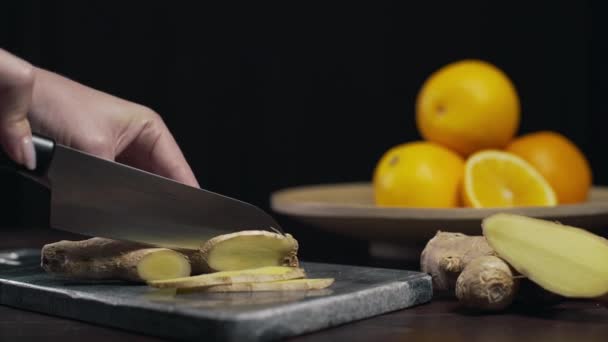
(97, 197)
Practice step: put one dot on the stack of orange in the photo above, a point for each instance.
(468, 113)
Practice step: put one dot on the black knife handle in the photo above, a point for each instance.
(44, 154)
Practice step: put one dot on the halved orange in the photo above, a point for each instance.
(501, 179)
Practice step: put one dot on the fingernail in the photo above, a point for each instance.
(29, 153)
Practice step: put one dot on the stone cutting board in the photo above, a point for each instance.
(358, 293)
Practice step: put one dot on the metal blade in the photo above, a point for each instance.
(96, 197)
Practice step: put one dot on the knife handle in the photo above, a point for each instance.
(44, 148)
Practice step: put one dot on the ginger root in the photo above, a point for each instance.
(446, 255)
(247, 261)
(256, 275)
(249, 249)
(105, 259)
(468, 267)
(565, 260)
(486, 283)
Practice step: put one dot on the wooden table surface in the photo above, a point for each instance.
(440, 320)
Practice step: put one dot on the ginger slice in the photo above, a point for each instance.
(262, 274)
(105, 259)
(249, 249)
(160, 264)
(565, 260)
(278, 286)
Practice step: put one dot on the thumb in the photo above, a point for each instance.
(16, 84)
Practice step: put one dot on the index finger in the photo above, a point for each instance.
(155, 150)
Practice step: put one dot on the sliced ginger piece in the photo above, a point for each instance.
(279, 286)
(249, 249)
(162, 264)
(262, 274)
(565, 260)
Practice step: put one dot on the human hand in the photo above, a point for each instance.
(83, 118)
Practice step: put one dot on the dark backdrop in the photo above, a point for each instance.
(265, 95)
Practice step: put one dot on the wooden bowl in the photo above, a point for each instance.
(349, 209)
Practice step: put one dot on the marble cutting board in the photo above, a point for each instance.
(358, 293)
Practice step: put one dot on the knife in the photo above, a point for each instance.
(97, 197)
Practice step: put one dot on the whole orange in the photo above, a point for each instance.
(559, 160)
(468, 106)
(418, 174)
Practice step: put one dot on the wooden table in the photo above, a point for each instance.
(440, 320)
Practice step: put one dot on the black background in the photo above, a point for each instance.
(266, 95)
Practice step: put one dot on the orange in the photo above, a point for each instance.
(468, 106)
(502, 179)
(418, 174)
(559, 161)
